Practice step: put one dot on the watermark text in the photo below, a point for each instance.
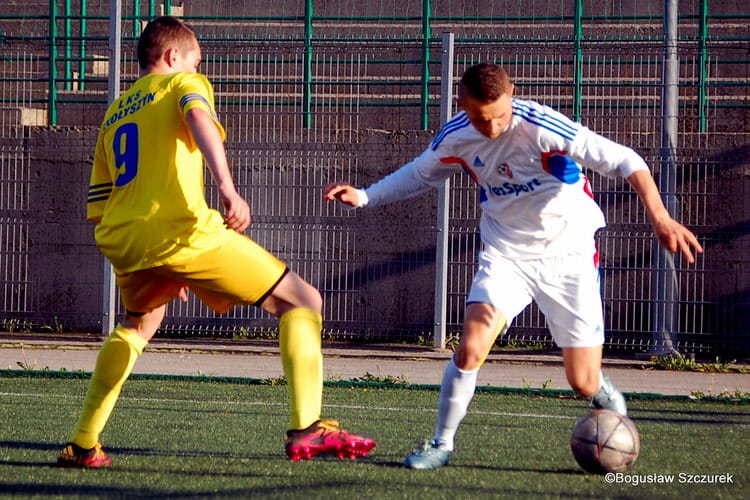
(679, 478)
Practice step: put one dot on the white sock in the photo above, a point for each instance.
(456, 393)
(609, 396)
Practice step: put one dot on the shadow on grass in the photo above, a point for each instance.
(419, 482)
(27, 445)
(118, 452)
(687, 418)
(691, 411)
(562, 471)
(474, 467)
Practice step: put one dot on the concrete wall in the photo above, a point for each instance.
(376, 267)
(378, 281)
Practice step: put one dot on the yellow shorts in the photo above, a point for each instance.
(238, 272)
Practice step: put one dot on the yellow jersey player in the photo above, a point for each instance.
(146, 197)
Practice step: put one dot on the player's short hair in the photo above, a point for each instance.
(485, 82)
(159, 34)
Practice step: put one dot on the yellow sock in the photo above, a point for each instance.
(302, 359)
(113, 366)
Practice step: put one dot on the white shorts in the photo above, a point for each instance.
(566, 289)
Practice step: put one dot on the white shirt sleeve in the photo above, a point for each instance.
(605, 156)
(424, 172)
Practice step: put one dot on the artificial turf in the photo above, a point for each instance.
(199, 438)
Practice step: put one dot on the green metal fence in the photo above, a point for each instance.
(73, 27)
(313, 91)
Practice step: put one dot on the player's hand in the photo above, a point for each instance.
(342, 192)
(677, 238)
(236, 212)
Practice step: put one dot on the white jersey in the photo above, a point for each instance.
(535, 199)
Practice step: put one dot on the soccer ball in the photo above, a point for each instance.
(605, 441)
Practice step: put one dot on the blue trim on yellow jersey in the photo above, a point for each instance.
(197, 97)
(556, 123)
(456, 123)
(99, 192)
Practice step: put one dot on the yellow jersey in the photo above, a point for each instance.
(146, 191)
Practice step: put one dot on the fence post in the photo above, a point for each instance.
(307, 67)
(666, 290)
(52, 78)
(68, 46)
(113, 91)
(82, 54)
(426, 36)
(703, 68)
(577, 59)
(441, 247)
(136, 19)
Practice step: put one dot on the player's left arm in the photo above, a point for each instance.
(671, 234)
(209, 140)
(613, 159)
(196, 101)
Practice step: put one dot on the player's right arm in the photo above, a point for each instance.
(343, 193)
(424, 172)
(100, 183)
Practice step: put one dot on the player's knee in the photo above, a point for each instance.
(468, 358)
(584, 384)
(145, 324)
(310, 296)
(315, 300)
(303, 293)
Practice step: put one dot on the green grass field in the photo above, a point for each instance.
(184, 437)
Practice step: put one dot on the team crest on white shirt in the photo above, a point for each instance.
(504, 169)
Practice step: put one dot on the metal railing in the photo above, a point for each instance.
(75, 27)
(352, 89)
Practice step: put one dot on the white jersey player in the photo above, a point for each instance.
(537, 226)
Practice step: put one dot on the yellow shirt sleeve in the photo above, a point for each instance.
(100, 184)
(197, 92)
